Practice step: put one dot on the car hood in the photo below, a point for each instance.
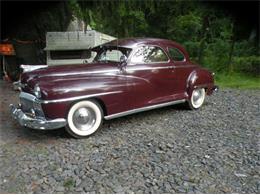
(70, 70)
(65, 75)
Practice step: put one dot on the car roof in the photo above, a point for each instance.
(133, 42)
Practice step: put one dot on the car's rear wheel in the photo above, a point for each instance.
(197, 98)
(84, 118)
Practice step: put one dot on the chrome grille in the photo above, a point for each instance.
(27, 105)
(31, 105)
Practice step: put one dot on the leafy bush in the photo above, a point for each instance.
(247, 64)
(216, 55)
(187, 27)
(192, 48)
(212, 36)
(244, 48)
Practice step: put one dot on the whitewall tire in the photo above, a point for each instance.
(197, 98)
(84, 118)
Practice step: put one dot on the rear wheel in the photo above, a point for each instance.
(197, 98)
(84, 118)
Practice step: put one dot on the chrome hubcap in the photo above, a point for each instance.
(198, 97)
(84, 118)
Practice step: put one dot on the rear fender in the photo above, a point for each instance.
(199, 78)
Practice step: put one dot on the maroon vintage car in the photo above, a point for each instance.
(127, 76)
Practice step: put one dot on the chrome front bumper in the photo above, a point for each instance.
(35, 122)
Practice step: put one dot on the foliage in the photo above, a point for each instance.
(245, 48)
(186, 26)
(209, 34)
(217, 55)
(248, 64)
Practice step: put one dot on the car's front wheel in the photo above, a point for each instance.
(84, 118)
(197, 98)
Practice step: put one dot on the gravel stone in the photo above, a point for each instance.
(87, 184)
(78, 182)
(60, 189)
(170, 150)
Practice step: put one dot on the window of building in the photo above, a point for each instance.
(70, 54)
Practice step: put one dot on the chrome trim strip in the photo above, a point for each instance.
(148, 68)
(128, 67)
(33, 98)
(146, 63)
(184, 66)
(156, 68)
(78, 97)
(143, 109)
(86, 72)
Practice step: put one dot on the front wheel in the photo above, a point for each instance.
(197, 98)
(84, 118)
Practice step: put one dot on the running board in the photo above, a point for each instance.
(120, 114)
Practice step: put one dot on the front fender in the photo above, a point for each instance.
(59, 95)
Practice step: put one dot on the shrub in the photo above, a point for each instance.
(248, 64)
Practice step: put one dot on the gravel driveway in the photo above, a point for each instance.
(170, 150)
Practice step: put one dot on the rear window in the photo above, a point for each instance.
(70, 54)
(176, 54)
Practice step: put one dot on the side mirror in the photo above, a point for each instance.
(123, 59)
(123, 63)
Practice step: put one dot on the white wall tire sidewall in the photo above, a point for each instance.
(97, 124)
(203, 94)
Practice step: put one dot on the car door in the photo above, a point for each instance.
(149, 77)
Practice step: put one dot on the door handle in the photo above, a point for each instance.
(171, 68)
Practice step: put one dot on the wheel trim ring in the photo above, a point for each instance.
(74, 129)
(199, 97)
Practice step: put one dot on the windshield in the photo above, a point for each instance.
(111, 54)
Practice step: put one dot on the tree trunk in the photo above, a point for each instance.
(201, 49)
(231, 68)
(204, 35)
(230, 64)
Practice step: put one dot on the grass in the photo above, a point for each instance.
(69, 183)
(237, 80)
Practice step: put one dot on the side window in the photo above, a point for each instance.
(176, 54)
(148, 54)
(111, 55)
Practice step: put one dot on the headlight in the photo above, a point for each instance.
(37, 91)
